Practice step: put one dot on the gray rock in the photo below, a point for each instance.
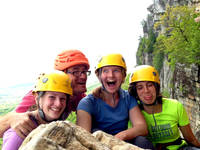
(63, 135)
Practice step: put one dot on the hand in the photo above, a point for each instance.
(22, 124)
(121, 135)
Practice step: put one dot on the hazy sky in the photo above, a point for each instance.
(33, 32)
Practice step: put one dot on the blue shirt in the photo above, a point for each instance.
(111, 120)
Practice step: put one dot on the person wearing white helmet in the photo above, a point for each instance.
(72, 62)
(165, 117)
(52, 93)
(109, 108)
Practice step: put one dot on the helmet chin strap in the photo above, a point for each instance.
(42, 115)
(154, 103)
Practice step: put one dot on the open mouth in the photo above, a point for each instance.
(81, 83)
(111, 83)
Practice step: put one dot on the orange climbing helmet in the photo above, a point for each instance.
(144, 73)
(69, 58)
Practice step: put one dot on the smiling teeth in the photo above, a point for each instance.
(55, 109)
(111, 80)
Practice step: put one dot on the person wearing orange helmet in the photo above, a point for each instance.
(165, 117)
(109, 108)
(52, 92)
(72, 62)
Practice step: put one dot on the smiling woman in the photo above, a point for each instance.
(109, 107)
(51, 93)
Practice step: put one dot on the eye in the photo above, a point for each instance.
(105, 71)
(76, 73)
(63, 99)
(139, 87)
(150, 84)
(51, 97)
(116, 71)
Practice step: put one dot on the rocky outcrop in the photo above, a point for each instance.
(63, 135)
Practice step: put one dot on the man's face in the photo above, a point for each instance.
(78, 75)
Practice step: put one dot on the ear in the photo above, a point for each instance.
(36, 97)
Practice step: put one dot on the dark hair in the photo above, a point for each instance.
(133, 92)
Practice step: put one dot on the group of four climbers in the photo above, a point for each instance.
(108, 108)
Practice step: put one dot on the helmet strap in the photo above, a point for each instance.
(42, 115)
(154, 103)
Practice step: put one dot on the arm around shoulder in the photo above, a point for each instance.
(5, 122)
(19, 122)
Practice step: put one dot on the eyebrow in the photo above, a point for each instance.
(77, 68)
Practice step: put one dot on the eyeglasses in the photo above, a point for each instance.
(79, 73)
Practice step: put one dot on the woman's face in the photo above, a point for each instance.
(146, 92)
(112, 78)
(53, 104)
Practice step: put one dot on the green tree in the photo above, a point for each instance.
(181, 37)
(146, 45)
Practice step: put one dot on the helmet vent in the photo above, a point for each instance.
(44, 80)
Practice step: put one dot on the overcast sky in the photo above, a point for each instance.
(33, 32)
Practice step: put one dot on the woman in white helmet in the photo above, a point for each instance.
(52, 93)
(164, 116)
(109, 108)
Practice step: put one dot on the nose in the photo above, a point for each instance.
(58, 102)
(110, 73)
(83, 76)
(146, 88)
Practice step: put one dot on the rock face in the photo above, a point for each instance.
(63, 135)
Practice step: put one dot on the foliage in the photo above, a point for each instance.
(126, 82)
(1, 142)
(140, 50)
(158, 60)
(146, 45)
(181, 38)
(72, 117)
(198, 91)
(7, 107)
(150, 41)
(165, 93)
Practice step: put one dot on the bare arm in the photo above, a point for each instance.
(20, 122)
(139, 126)
(84, 120)
(189, 136)
(4, 123)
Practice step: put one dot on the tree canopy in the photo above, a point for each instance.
(180, 39)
